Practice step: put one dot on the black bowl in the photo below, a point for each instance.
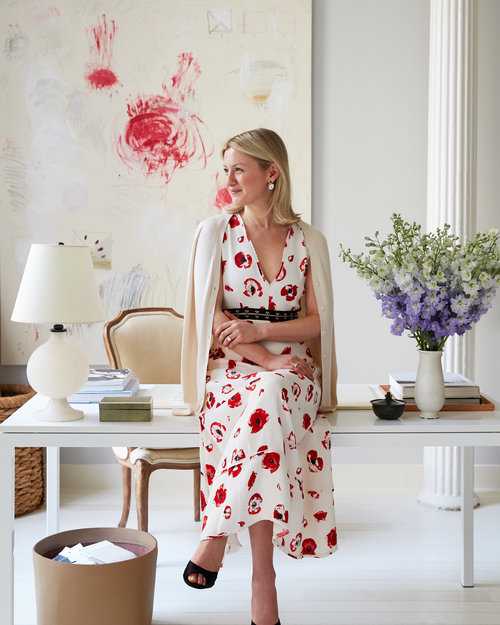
(391, 409)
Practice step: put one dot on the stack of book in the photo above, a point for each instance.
(105, 381)
(457, 388)
(126, 409)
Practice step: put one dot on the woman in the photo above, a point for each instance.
(258, 363)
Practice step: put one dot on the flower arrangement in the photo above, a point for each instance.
(431, 285)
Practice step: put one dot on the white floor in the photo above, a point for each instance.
(397, 564)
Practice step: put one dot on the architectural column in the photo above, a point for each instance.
(451, 194)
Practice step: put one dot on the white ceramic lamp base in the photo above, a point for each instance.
(59, 410)
(57, 369)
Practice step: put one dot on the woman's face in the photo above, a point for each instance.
(246, 180)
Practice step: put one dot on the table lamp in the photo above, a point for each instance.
(58, 287)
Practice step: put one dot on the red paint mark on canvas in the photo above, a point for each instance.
(100, 75)
(162, 134)
(222, 196)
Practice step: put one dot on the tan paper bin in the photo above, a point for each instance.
(120, 593)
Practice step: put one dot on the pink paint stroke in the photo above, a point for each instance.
(161, 134)
(100, 74)
(222, 197)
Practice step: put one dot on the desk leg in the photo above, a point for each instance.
(6, 532)
(52, 490)
(467, 517)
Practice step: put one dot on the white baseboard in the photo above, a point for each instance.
(177, 485)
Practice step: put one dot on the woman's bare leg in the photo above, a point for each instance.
(209, 555)
(264, 596)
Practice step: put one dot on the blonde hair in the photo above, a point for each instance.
(267, 147)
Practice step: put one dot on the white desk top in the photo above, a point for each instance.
(346, 420)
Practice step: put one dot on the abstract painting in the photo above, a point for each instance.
(113, 115)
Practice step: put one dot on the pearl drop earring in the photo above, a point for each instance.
(270, 186)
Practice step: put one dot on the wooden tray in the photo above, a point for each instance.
(485, 404)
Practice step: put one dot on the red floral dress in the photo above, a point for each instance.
(265, 452)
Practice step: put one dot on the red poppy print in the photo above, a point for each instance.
(326, 441)
(290, 258)
(209, 447)
(254, 504)
(251, 480)
(281, 273)
(201, 419)
(232, 372)
(309, 392)
(320, 515)
(204, 522)
(252, 287)
(235, 470)
(295, 542)
(242, 260)
(280, 514)
(331, 537)
(209, 472)
(271, 304)
(234, 401)
(306, 421)
(217, 430)
(286, 350)
(313, 493)
(303, 265)
(314, 461)
(284, 394)
(258, 420)
(296, 390)
(238, 455)
(271, 461)
(227, 388)
(309, 546)
(234, 222)
(203, 501)
(227, 512)
(292, 442)
(220, 495)
(289, 292)
(237, 432)
(210, 400)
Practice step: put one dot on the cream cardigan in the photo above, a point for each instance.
(201, 294)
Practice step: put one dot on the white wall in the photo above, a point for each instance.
(370, 72)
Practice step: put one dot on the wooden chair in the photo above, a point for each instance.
(148, 341)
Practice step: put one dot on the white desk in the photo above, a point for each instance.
(351, 427)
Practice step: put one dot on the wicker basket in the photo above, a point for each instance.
(30, 480)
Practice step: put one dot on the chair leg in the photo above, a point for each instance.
(196, 493)
(126, 489)
(143, 471)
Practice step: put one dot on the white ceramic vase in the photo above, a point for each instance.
(429, 384)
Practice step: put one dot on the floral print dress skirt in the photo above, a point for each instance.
(265, 452)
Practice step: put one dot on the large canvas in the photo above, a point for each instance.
(113, 114)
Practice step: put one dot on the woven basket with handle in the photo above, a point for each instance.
(30, 482)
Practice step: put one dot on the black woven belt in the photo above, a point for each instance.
(264, 314)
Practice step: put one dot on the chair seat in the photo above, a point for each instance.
(157, 456)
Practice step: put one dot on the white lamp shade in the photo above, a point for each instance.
(58, 286)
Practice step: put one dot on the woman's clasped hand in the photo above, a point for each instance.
(236, 331)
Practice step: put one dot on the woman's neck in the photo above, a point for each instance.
(258, 215)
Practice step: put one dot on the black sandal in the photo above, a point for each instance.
(210, 576)
(278, 623)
